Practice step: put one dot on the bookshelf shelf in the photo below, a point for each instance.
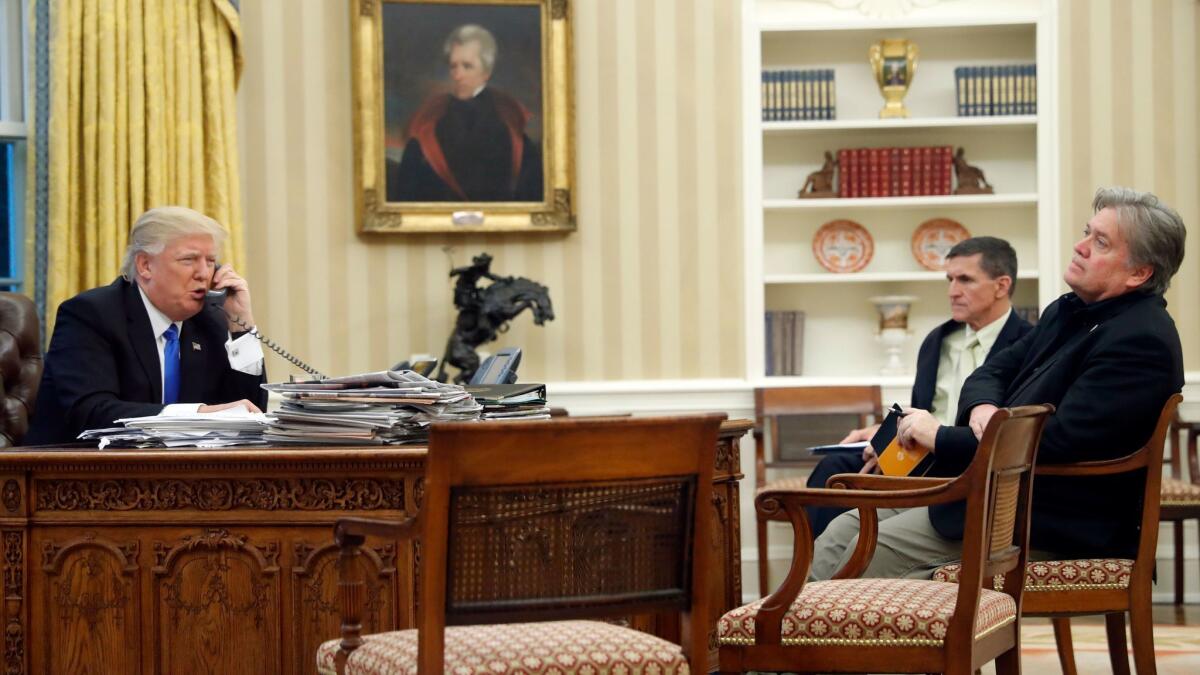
(909, 123)
(1018, 154)
(976, 201)
(869, 277)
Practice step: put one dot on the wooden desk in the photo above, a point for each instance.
(222, 561)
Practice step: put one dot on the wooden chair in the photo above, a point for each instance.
(539, 521)
(840, 408)
(1060, 589)
(902, 625)
(1180, 496)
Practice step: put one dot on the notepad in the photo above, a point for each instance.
(895, 460)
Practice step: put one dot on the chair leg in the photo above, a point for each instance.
(1009, 663)
(1066, 648)
(1118, 652)
(1178, 531)
(1141, 626)
(764, 570)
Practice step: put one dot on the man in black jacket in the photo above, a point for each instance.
(148, 343)
(1107, 355)
(982, 275)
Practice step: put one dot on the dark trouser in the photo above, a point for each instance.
(830, 465)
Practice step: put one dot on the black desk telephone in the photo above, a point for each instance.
(216, 297)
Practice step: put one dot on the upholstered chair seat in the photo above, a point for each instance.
(1177, 492)
(1062, 575)
(550, 648)
(870, 613)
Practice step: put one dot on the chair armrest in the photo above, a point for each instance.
(1101, 467)
(353, 531)
(924, 493)
(874, 481)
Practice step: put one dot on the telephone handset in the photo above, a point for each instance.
(216, 297)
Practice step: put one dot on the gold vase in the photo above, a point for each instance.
(895, 64)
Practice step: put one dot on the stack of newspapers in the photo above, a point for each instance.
(226, 428)
(389, 406)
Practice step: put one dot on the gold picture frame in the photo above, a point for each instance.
(408, 133)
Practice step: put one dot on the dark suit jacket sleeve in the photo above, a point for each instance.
(1128, 378)
(85, 372)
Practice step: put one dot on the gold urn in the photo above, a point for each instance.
(895, 64)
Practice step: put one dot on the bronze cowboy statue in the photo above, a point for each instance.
(821, 180)
(485, 312)
(970, 178)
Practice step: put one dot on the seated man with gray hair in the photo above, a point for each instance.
(1107, 355)
(149, 343)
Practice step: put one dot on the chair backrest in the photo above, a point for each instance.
(807, 416)
(1150, 458)
(570, 518)
(20, 366)
(999, 486)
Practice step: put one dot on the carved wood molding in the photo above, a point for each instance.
(10, 495)
(214, 539)
(14, 600)
(317, 562)
(359, 466)
(220, 494)
(54, 553)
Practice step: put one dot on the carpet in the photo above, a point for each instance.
(1177, 649)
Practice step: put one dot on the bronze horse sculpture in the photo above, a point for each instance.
(484, 313)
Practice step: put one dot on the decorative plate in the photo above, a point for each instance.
(843, 246)
(934, 239)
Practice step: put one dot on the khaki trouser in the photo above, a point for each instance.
(908, 547)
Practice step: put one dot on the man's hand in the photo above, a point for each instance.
(917, 427)
(870, 461)
(859, 435)
(225, 406)
(238, 302)
(980, 415)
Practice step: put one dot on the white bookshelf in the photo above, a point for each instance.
(1017, 153)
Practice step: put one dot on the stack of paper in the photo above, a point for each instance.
(233, 426)
(511, 401)
(390, 406)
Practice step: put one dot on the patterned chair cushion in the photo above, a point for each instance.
(557, 647)
(788, 483)
(1062, 575)
(870, 613)
(1177, 492)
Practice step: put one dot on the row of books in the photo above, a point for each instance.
(996, 90)
(895, 172)
(798, 95)
(785, 342)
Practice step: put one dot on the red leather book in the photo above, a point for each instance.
(893, 172)
(844, 173)
(906, 172)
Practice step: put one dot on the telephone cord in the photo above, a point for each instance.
(274, 347)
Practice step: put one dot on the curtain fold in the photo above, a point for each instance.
(141, 113)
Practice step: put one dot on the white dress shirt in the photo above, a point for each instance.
(245, 354)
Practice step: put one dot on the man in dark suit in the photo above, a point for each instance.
(1107, 355)
(982, 274)
(148, 343)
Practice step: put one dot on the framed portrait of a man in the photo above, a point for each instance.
(463, 115)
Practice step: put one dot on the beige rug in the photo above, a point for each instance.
(1177, 650)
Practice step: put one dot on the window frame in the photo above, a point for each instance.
(14, 130)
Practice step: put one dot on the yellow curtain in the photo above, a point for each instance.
(142, 114)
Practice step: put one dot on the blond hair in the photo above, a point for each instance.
(160, 226)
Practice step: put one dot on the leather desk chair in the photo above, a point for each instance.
(20, 366)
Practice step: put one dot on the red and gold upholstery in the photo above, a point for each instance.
(1063, 575)
(551, 648)
(870, 613)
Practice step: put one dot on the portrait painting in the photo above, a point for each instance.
(463, 115)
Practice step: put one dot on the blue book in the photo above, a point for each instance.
(769, 335)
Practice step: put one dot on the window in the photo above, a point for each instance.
(13, 132)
